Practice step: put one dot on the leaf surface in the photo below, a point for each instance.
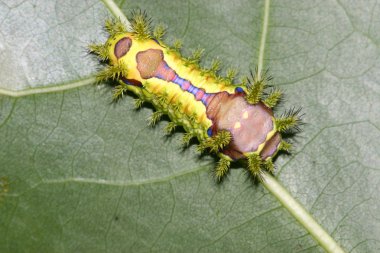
(81, 174)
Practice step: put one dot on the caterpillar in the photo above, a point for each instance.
(235, 121)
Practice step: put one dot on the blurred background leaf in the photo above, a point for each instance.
(81, 174)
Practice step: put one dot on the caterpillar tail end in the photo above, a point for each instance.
(256, 166)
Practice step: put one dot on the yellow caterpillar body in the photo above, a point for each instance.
(233, 121)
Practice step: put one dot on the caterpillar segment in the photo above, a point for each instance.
(234, 121)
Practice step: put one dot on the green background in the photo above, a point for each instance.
(81, 174)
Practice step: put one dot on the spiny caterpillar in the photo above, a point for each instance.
(234, 121)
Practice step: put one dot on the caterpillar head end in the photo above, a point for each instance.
(118, 46)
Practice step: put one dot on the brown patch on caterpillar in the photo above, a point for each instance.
(122, 47)
(271, 146)
(233, 153)
(248, 124)
(132, 81)
(150, 63)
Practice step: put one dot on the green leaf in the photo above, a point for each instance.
(79, 173)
